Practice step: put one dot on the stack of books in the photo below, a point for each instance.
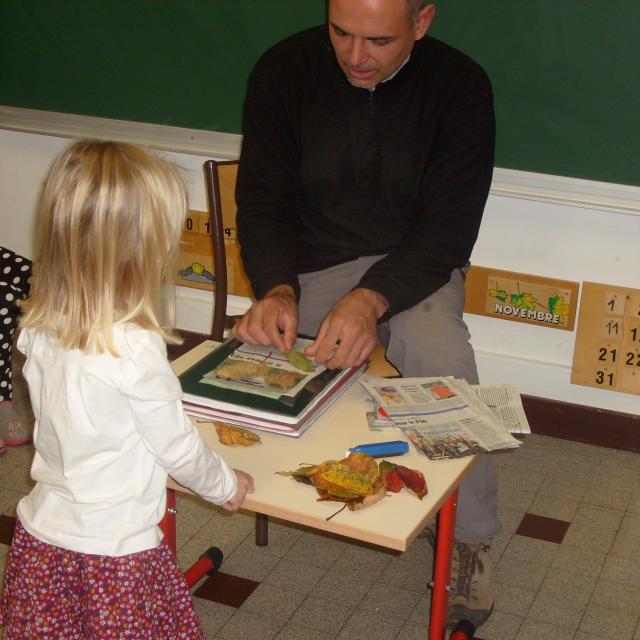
(261, 388)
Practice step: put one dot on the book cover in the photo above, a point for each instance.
(198, 392)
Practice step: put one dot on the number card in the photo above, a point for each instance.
(607, 349)
(195, 266)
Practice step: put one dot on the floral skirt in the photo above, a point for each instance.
(52, 593)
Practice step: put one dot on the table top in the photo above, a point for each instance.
(393, 522)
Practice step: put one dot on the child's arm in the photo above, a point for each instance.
(245, 485)
(154, 397)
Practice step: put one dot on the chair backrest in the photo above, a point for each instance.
(220, 179)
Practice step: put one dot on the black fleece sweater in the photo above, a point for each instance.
(330, 172)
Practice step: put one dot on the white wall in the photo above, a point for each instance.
(543, 225)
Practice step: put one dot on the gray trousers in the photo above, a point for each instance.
(429, 339)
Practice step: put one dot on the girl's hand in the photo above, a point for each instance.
(245, 485)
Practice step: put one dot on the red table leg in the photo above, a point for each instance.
(442, 572)
(168, 523)
(208, 563)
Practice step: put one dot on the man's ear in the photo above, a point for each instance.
(424, 20)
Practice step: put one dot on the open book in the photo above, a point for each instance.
(261, 388)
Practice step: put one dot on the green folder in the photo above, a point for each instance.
(210, 395)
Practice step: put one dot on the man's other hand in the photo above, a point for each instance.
(271, 321)
(348, 334)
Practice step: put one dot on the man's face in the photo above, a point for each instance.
(372, 38)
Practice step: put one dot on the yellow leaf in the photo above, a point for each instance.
(235, 436)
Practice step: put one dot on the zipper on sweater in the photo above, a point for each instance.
(369, 133)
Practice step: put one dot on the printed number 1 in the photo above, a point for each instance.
(603, 354)
(604, 378)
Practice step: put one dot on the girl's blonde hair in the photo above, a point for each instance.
(109, 231)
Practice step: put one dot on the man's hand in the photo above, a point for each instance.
(348, 334)
(271, 321)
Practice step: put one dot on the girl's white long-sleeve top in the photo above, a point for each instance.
(108, 431)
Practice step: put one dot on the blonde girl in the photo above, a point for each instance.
(87, 558)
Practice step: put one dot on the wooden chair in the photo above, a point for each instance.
(222, 212)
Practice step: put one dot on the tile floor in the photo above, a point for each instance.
(567, 560)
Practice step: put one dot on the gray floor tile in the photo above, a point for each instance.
(513, 600)
(554, 507)
(549, 607)
(411, 571)
(634, 503)
(273, 602)
(420, 613)
(570, 485)
(565, 586)
(296, 576)
(246, 625)
(8, 501)
(372, 626)
(317, 549)
(281, 538)
(593, 527)
(500, 626)
(536, 630)
(608, 623)
(228, 525)
(525, 562)
(250, 564)
(322, 615)
(412, 631)
(622, 570)
(617, 596)
(296, 632)
(386, 600)
(578, 560)
(364, 561)
(342, 587)
(213, 615)
(16, 478)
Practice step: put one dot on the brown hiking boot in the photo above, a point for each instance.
(471, 582)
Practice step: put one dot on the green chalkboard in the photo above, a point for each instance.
(565, 73)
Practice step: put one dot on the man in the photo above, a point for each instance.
(365, 167)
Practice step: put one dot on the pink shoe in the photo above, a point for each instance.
(15, 433)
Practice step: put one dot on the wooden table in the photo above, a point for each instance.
(394, 522)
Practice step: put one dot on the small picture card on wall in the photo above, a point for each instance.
(522, 297)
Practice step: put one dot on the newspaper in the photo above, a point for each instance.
(377, 419)
(443, 417)
(504, 402)
(264, 371)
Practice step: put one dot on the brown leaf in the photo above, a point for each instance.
(235, 436)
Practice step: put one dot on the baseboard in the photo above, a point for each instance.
(580, 423)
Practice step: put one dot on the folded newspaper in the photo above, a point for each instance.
(446, 417)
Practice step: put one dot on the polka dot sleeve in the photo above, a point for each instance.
(15, 272)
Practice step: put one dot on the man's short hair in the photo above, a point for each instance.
(416, 6)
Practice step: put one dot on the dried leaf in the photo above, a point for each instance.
(355, 480)
(336, 477)
(380, 492)
(410, 478)
(393, 481)
(235, 436)
(240, 369)
(281, 379)
(301, 474)
(299, 360)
